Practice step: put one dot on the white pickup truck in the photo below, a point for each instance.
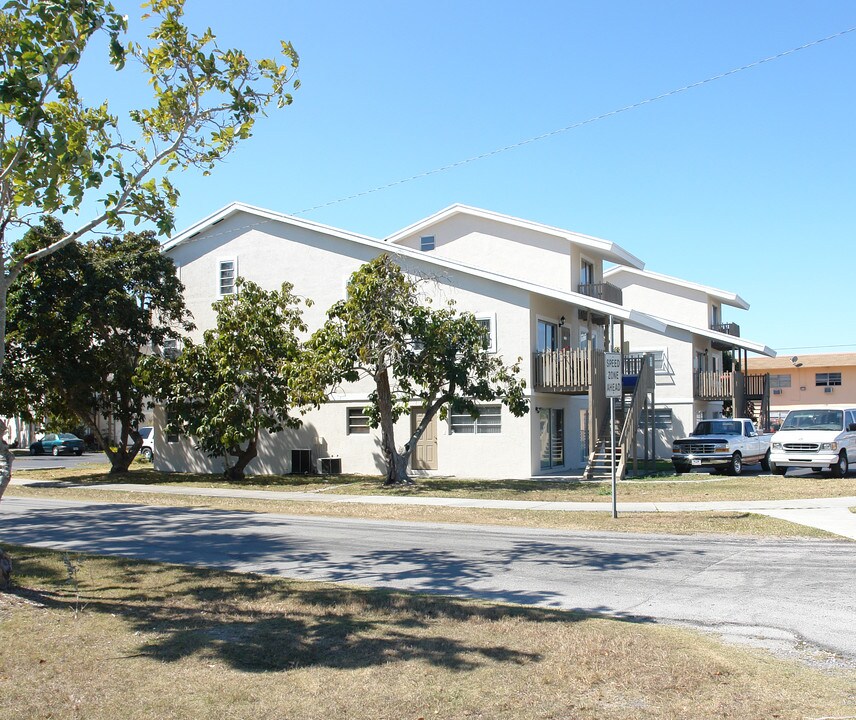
(725, 444)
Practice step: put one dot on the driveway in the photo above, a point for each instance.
(49, 462)
(793, 590)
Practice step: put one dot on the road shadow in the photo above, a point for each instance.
(256, 625)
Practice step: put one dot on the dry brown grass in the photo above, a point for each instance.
(145, 640)
(689, 487)
(688, 523)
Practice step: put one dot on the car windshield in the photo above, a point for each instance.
(68, 436)
(814, 420)
(718, 427)
(145, 432)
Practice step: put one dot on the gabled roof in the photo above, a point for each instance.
(632, 317)
(728, 298)
(608, 250)
(723, 338)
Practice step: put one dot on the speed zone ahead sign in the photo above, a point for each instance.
(613, 374)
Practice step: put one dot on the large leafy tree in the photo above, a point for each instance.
(415, 355)
(58, 151)
(250, 374)
(78, 326)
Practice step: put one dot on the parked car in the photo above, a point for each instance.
(725, 445)
(822, 439)
(147, 432)
(57, 444)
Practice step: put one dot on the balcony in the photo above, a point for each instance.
(731, 328)
(602, 291)
(568, 372)
(721, 385)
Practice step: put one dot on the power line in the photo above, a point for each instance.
(816, 347)
(576, 125)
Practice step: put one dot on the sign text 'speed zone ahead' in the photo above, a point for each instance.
(613, 374)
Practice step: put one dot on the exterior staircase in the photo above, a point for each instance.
(638, 393)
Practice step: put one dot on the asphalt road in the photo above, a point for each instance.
(48, 462)
(795, 589)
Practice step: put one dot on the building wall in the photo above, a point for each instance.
(804, 390)
(319, 266)
(502, 249)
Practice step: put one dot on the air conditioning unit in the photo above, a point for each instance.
(330, 466)
(301, 462)
(827, 389)
(777, 391)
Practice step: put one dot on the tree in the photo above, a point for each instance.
(78, 326)
(386, 330)
(250, 374)
(57, 151)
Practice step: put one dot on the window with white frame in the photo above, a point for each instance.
(661, 418)
(827, 379)
(780, 381)
(426, 243)
(227, 274)
(586, 272)
(488, 322)
(489, 421)
(358, 421)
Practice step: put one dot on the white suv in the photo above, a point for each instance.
(816, 438)
(148, 449)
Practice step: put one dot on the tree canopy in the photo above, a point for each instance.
(250, 374)
(415, 355)
(79, 324)
(57, 150)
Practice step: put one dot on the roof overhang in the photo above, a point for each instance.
(725, 297)
(724, 339)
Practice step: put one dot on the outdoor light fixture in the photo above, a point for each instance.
(561, 321)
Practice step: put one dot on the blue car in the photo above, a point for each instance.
(57, 444)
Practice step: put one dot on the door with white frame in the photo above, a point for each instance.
(552, 423)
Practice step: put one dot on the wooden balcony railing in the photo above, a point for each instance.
(563, 371)
(721, 386)
(731, 328)
(602, 291)
(713, 385)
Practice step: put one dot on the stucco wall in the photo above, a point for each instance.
(319, 266)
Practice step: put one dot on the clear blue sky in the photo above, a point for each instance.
(746, 184)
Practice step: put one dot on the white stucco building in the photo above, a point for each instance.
(541, 290)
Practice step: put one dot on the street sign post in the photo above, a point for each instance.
(613, 390)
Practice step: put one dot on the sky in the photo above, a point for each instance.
(745, 183)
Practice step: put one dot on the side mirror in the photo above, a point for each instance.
(851, 427)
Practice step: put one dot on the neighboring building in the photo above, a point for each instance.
(822, 380)
(701, 359)
(540, 290)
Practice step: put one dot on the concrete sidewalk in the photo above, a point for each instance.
(829, 514)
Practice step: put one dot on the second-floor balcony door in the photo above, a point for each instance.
(548, 336)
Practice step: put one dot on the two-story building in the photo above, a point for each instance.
(540, 290)
(701, 360)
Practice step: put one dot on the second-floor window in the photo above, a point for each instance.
(826, 379)
(228, 272)
(426, 243)
(586, 273)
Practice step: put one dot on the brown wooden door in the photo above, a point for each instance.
(425, 453)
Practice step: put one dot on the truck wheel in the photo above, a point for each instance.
(839, 469)
(765, 462)
(778, 469)
(147, 454)
(735, 467)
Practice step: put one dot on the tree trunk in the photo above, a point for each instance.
(6, 459)
(396, 462)
(236, 472)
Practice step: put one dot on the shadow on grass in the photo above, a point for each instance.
(257, 623)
